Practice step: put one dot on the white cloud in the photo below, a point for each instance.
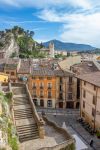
(76, 27)
(80, 28)
(86, 4)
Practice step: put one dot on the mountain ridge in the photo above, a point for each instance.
(59, 45)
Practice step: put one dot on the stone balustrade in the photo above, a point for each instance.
(68, 144)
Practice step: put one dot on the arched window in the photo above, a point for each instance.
(35, 102)
(41, 102)
(49, 103)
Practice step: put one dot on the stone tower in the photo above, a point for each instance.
(51, 48)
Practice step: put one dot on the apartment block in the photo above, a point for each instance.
(90, 98)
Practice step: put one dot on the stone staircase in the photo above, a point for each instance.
(26, 126)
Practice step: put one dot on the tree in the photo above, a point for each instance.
(32, 33)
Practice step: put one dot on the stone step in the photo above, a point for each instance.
(20, 96)
(23, 117)
(22, 111)
(21, 100)
(24, 107)
(33, 130)
(17, 91)
(17, 104)
(26, 121)
(27, 125)
(27, 128)
(23, 139)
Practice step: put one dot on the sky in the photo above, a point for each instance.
(76, 21)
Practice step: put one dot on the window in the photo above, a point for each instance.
(83, 104)
(94, 100)
(35, 102)
(61, 80)
(34, 78)
(49, 94)
(93, 112)
(12, 73)
(70, 96)
(70, 79)
(41, 102)
(34, 93)
(49, 78)
(60, 96)
(94, 88)
(84, 82)
(41, 78)
(41, 93)
(50, 85)
(84, 94)
(61, 88)
(41, 85)
(49, 103)
(34, 85)
(83, 114)
(7, 72)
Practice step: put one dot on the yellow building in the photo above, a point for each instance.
(11, 67)
(53, 88)
(42, 86)
(90, 98)
(3, 77)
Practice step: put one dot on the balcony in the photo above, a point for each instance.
(49, 96)
(41, 96)
(70, 83)
(34, 87)
(34, 96)
(61, 91)
(61, 82)
(70, 98)
(49, 87)
(70, 90)
(41, 87)
(60, 99)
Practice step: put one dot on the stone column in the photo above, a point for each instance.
(41, 132)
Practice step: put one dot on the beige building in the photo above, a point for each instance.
(90, 98)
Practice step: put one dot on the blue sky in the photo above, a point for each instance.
(75, 21)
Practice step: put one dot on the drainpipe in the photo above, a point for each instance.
(95, 110)
(80, 96)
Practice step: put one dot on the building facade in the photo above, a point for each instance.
(90, 99)
(53, 88)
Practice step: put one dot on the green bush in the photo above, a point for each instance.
(9, 95)
(12, 140)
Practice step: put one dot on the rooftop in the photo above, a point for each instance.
(42, 72)
(25, 66)
(84, 67)
(93, 78)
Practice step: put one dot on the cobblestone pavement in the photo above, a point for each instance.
(76, 128)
